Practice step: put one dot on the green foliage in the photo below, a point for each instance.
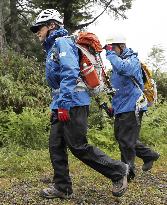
(22, 83)
(157, 62)
(156, 58)
(96, 118)
(104, 139)
(161, 80)
(17, 161)
(154, 129)
(28, 129)
(97, 115)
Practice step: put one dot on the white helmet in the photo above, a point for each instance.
(118, 38)
(44, 17)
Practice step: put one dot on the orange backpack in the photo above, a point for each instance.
(91, 65)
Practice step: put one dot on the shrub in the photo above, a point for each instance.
(154, 129)
(104, 139)
(161, 80)
(22, 83)
(28, 129)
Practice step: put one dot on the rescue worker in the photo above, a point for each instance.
(70, 109)
(125, 67)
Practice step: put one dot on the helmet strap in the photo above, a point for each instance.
(56, 28)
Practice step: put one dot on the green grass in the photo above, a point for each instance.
(22, 173)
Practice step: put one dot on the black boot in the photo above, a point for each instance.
(148, 164)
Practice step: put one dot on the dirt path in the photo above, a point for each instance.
(90, 189)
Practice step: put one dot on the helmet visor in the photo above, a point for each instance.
(36, 27)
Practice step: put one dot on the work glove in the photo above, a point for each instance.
(110, 112)
(63, 115)
(108, 47)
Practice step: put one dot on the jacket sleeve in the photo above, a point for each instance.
(127, 67)
(69, 71)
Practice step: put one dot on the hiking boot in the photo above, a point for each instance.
(52, 192)
(148, 164)
(120, 186)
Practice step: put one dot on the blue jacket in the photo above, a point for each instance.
(125, 67)
(62, 72)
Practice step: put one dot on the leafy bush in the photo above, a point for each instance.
(104, 139)
(28, 129)
(97, 116)
(22, 83)
(154, 129)
(23, 90)
(161, 80)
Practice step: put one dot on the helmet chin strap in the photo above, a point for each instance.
(49, 30)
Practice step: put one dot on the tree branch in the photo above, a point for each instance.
(20, 4)
(24, 17)
(88, 23)
(118, 13)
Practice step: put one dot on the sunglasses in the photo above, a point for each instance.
(38, 28)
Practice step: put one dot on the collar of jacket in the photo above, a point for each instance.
(49, 41)
(128, 52)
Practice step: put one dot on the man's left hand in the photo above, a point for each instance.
(108, 47)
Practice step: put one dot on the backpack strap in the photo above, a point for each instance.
(87, 53)
(141, 101)
(137, 85)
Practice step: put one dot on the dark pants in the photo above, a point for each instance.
(73, 134)
(127, 131)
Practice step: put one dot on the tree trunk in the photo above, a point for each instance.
(68, 11)
(2, 31)
(14, 27)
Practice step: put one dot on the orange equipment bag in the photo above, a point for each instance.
(87, 39)
(90, 48)
(89, 73)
